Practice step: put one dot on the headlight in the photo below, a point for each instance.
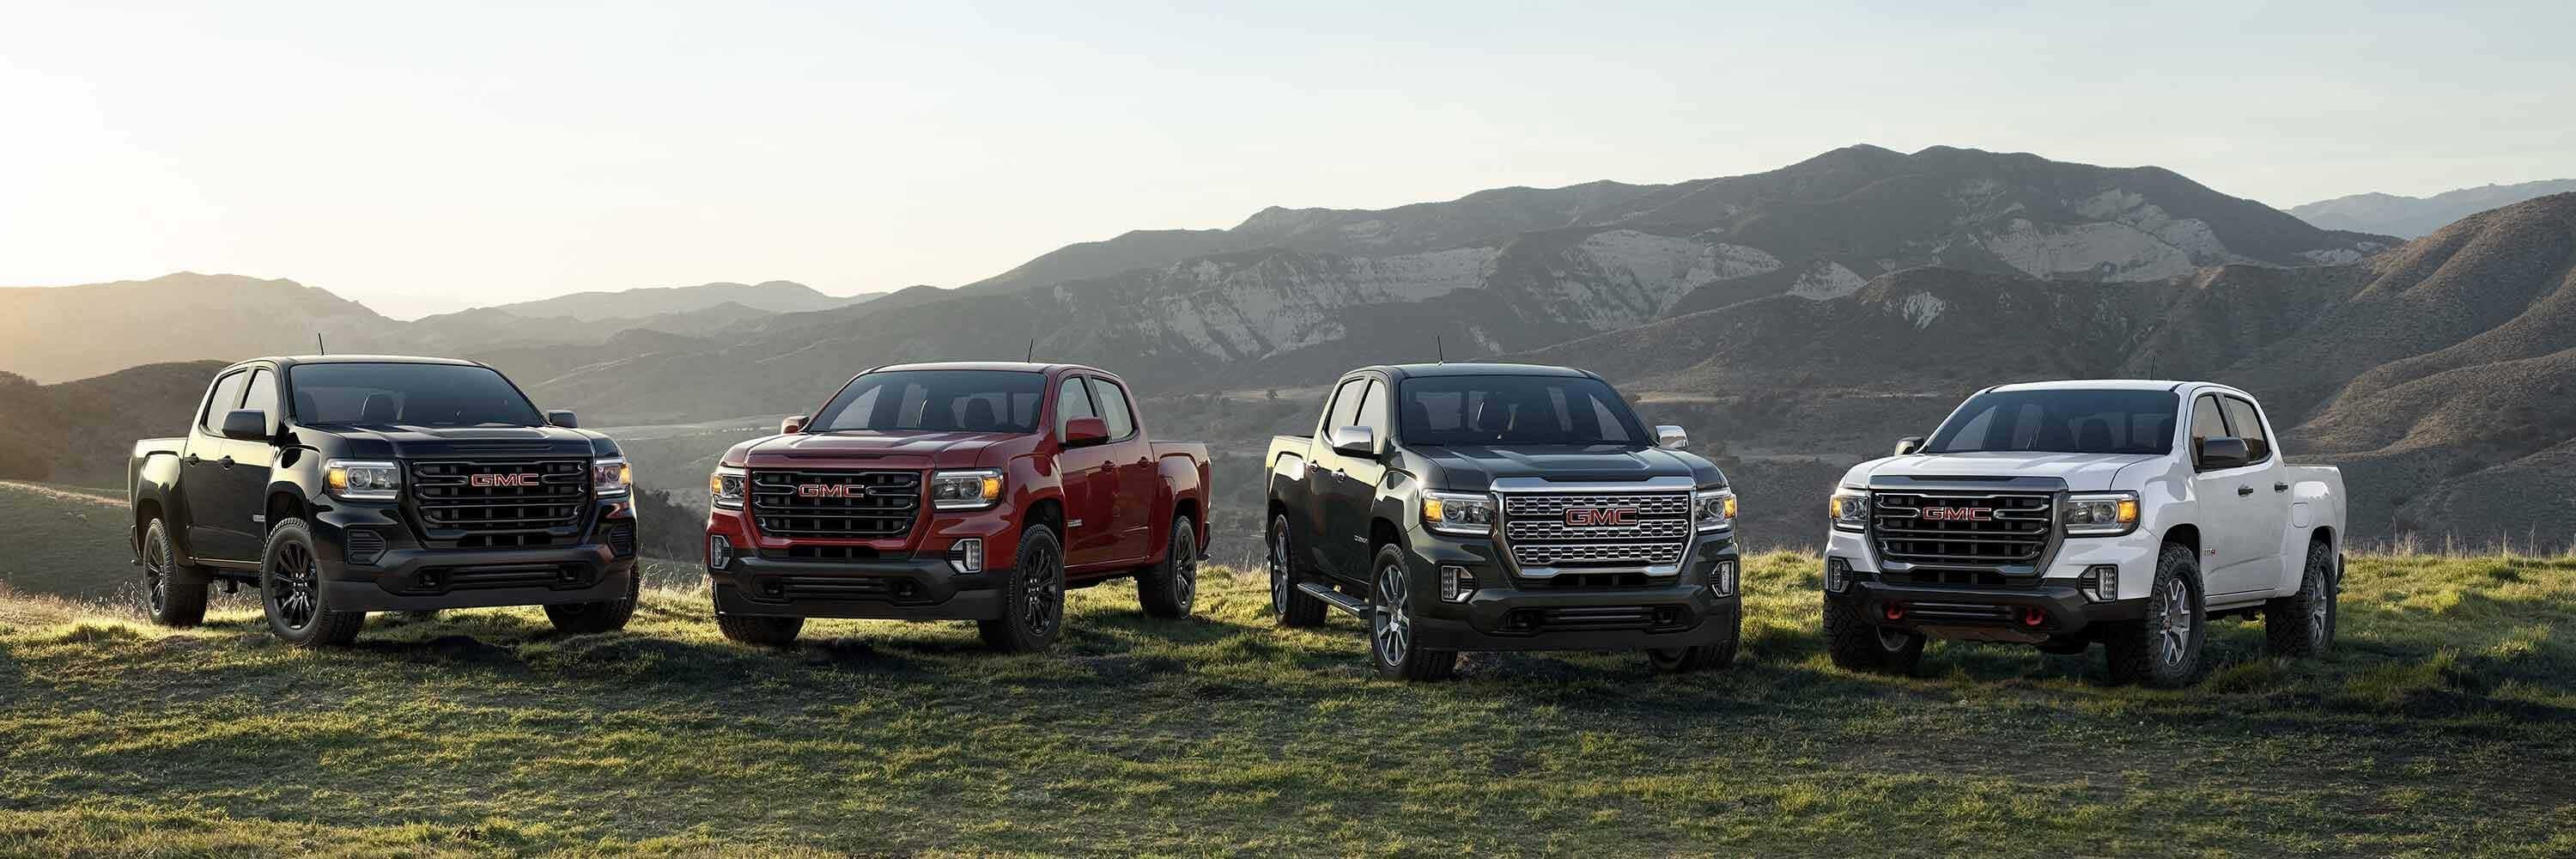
(724, 487)
(2101, 514)
(1849, 510)
(965, 490)
(354, 480)
(1458, 513)
(611, 477)
(1713, 509)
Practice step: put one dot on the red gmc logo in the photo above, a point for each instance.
(493, 481)
(1959, 514)
(830, 490)
(1598, 517)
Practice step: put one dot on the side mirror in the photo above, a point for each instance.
(793, 425)
(1354, 441)
(1671, 437)
(1080, 432)
(562, 418)
(246, 425)
(2223, 452)
(1909, 444)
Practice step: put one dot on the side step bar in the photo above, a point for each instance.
(1336, 599)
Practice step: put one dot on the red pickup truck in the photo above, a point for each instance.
(955, 491)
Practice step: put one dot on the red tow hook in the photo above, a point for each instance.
(2033, 617)
(1895, 611)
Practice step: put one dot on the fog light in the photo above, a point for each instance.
(1837, 576)
(967, 555)
(1456, 584)
(719, 552)
(1722, 579)
(2101, 583)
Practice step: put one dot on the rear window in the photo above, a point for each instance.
(2060, 421)
(936, 400)
(434, 395)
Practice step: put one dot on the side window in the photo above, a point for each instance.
(226, 397)
(1373, 410)
(2206, 423)
(263, 393)
(2249, 426)
(1345, 410)
(1113, 409)
(1071, 401)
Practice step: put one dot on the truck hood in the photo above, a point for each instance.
(1474, 468)
(900, 449)
(409, 441)
(2082, 472)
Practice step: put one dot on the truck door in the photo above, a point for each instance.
(1324, 478)
(1130, 457)
(206, 479)
(253, 463)
(1355, 480)
(1090, 528)
(2265, 516)
(2225, 497)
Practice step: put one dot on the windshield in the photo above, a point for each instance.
(435, 395)
(1472, 410)
(2061, 421)
(947, 400)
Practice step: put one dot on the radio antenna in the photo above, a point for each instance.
(1439, 352)
(318, 348)
(1033, 351)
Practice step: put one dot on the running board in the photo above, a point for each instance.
(1335, 599)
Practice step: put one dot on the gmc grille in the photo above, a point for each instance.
(1654, 529)
(1975, 529)
(848, 505)
(492, 503)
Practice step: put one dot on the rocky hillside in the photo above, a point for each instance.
(54, 334)
(82, 432)
(2410, 217)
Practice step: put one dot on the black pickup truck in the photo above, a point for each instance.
(342, 485)
(1501, 507)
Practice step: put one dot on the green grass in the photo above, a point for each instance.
(65, 540)
(2442, 727)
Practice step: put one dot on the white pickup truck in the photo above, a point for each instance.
(2065, 513)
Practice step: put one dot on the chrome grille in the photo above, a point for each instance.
(455, 504)
(1655, 533)
(2004, 529)
(878, 505)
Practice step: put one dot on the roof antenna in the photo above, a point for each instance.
(1033, 352)
(317, 344)
(1438, 352)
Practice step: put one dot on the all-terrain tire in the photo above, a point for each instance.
(1170, 588)
(764, 631)
(2166, 648)
(174, 593)
(1392, 648)
(1702, 657)
(1032, 598)
(1294, 607)
(2303, 624)
(592, 618)
(1856, 644)
(291, 591)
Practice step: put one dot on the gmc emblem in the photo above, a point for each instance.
(1959, 514)
(496, 481)
(830, 490)
(1598, 517)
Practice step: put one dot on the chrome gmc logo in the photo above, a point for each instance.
(1959, 514)
(495, 481)
(830, 490)
(1598, 517)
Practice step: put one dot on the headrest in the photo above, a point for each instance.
(980, 415)
(2093, 434)
(379, 409)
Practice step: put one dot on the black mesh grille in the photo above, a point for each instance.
(1971, 528)
(847, 505)
(500, 503)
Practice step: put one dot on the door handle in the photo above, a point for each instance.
(2280, 487)
(191, 459)
(2244, 490)
(227, 461)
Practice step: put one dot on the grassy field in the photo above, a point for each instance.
(65, 541)
(2445, 726)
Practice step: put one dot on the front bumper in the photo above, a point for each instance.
(408, 576)
(1987, 614)
(1509, 613)
(889, 589)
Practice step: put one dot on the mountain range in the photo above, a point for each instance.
(2412, 217)
(1794, 320)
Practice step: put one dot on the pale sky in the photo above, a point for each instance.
(427, 157)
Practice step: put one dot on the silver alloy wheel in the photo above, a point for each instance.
(2320, 613)
(1392, 626)
(2173, 636)
(1279, 566)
